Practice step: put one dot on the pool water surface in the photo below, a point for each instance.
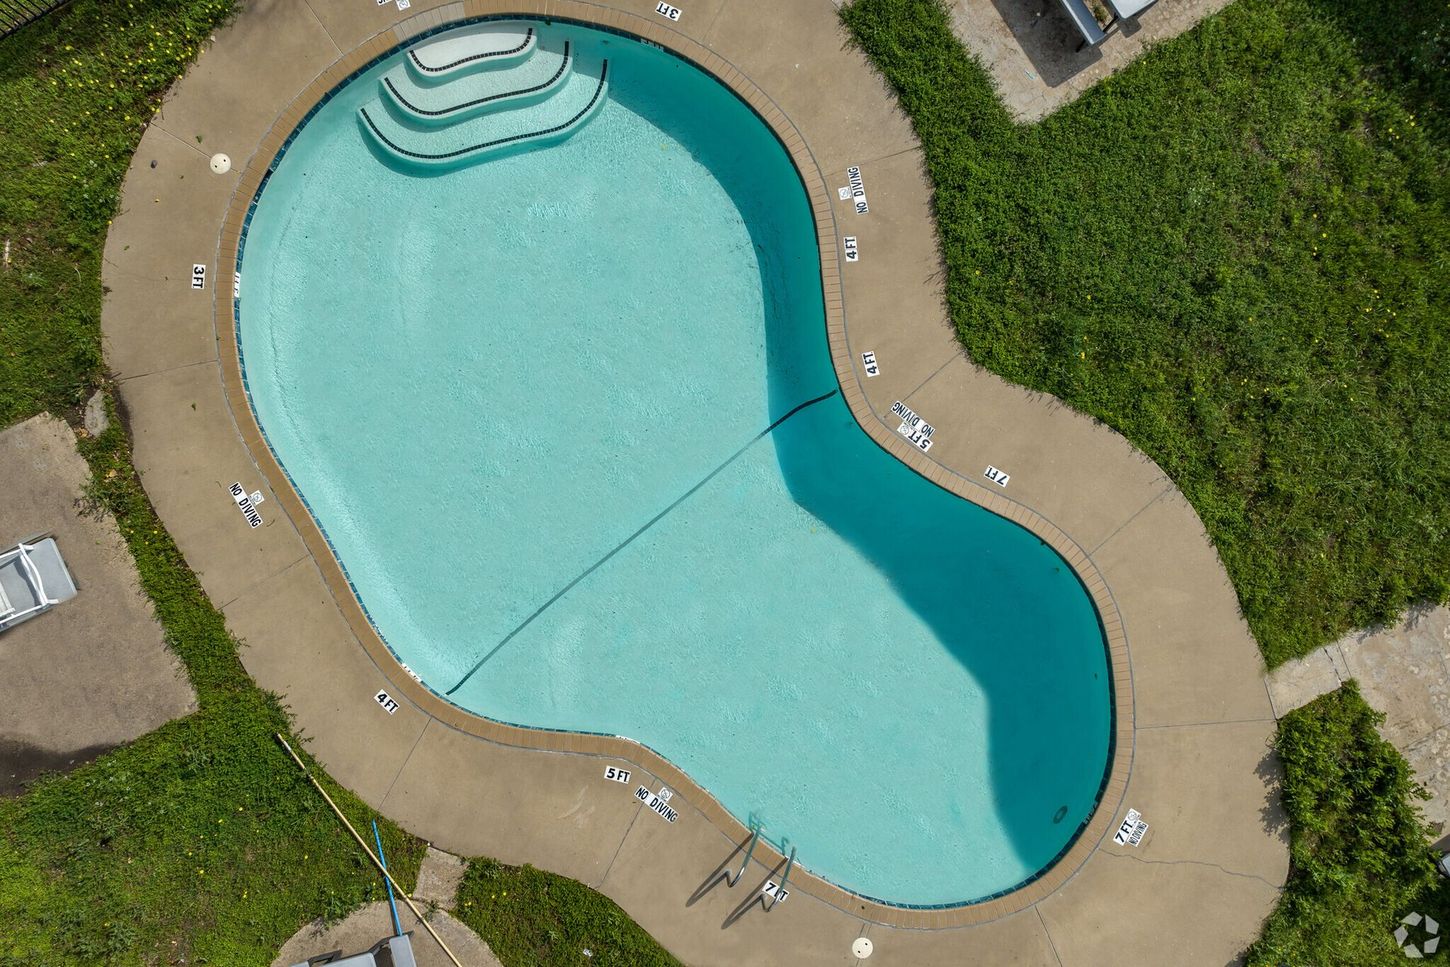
(565, 409)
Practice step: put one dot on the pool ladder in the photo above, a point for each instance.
(749, 852)
(780, 891)
(769, 892)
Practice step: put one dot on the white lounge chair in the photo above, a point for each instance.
(33, 579)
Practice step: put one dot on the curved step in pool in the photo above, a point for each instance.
(523, 82)
(550, 120)
(471, 48)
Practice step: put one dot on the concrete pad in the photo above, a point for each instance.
(1071, 469)
(1403, 670)
(97, 420)
(1430, 758)
(366, 926)
(476, 798)
(315, 661)
(225, 100)
(95, 671)
(1194, 659)
(1295, 684)
(188, 452)
(1031, 49)
(799, 55)
(438, 878)
(1209, 794)
(155, 320)
(1124, 909)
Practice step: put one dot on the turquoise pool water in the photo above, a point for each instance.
(566, 411)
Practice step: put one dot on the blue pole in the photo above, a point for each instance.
(397, 927)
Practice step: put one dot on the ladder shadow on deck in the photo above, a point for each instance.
(758, 895)
(761, 893)
(722, 872)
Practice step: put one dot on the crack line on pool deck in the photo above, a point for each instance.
(330, 39)
(1132, 517)
(1212, 866)
(619, 849)
(631, 538)
(160, 124)
(1048, 934)
(406, 759)
(934, 374)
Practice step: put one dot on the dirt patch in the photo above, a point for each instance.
(21, 763)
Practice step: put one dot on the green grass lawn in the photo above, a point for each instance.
(531, 917)
(201, 842)
(1237, 253)
(78, 89)
(1360, 859)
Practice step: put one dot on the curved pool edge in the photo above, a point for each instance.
(844, 360)
(1203, 773)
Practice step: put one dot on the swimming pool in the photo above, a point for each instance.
(532, 316)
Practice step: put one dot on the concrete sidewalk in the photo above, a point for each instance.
(1193, 715)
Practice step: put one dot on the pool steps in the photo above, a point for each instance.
(550, 120)
(468, 94)
(479, 47)
(532, 80)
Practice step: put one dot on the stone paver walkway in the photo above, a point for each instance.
(1404, 671)
(1030, 47)
(438, 878)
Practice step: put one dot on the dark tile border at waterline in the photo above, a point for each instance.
(253, 179)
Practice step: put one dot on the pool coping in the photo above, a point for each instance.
(258, 168)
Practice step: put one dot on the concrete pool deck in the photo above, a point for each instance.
(1194, 717)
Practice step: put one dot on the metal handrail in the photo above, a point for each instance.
(750, 850)
(784, 878)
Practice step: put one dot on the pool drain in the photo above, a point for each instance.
(220, 164)
(862, 948)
